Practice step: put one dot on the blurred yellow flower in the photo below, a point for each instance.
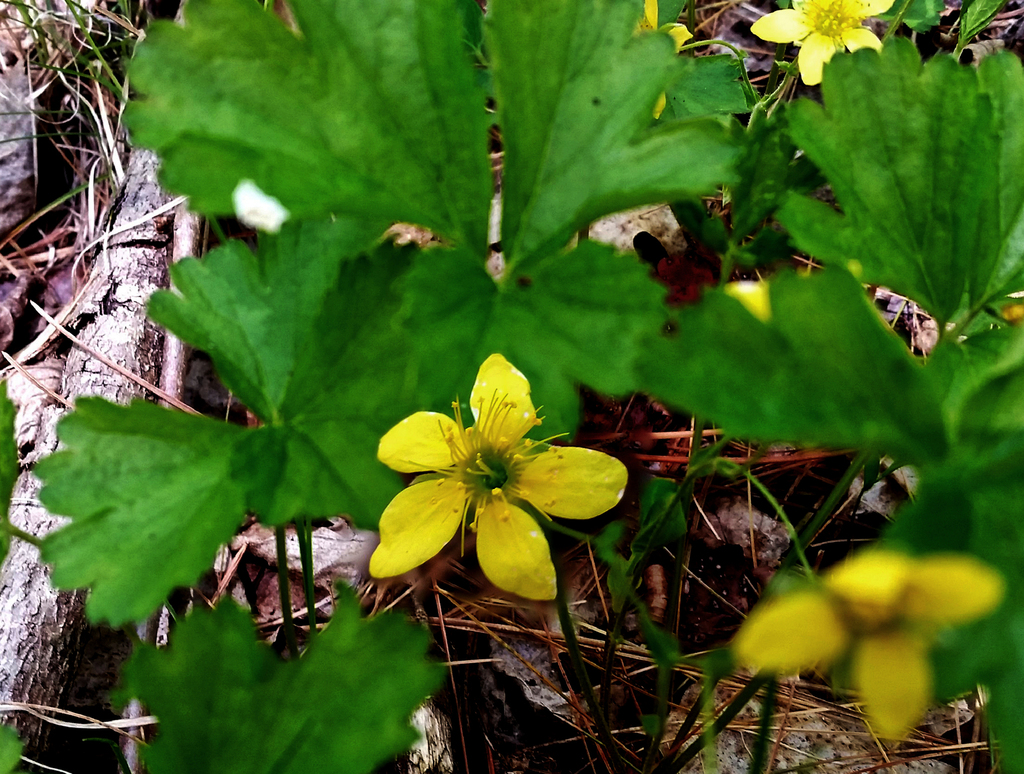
(821, 28)
(754, 296)
(680, 34)
(486, 476)
(882, 610)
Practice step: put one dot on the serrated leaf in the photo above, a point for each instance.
(921, 16)
(305, 338)
(824, 370)
(228, 704)
(571, 319)
(976, 15)
(575, 90)
(152, 493)
(369, 110)
(10, 750)
(313, 349)
(926, 173)
(706, 86)
(972, 504)
(768, 170)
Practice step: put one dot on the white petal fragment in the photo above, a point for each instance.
(257, 209)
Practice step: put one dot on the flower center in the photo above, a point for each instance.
(488, 471)
(832, 18)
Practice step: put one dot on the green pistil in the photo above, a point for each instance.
(491, 472)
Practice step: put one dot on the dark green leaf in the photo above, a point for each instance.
(706, 86)
(152, 493)
(920, 17)
(825, 370)
(369, 110)
(10, 750)
(571, 319)
(925, 163)
(305, 338)
(662, 520)
(619, 582)
(228, 705)
(576, 89)
(976, 15)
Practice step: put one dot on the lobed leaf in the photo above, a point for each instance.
(575, 90)
(824, 370)
(368, 110)
(570, 319)
(925, 163)
(228, 704)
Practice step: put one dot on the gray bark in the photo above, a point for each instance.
(42, 630)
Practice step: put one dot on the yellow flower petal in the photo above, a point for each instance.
(861, 37)
(417, 524)
(894, 678)
(952, 589)
(875, 7)
(417, 443)
(659, 106)
(783, 26)
(790, 633)
(815, 51)
(650, 20)
(754, 296)
(501, 400)
(871, 585)
(572, 483)
(513, 551)
(680, 34)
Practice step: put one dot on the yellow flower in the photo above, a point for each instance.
(882, 610)
(821, 28)
(754, 296)
(680, 34)
(488, 476)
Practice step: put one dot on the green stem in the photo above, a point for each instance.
(790, 529)
(27, 537)
(897, 20)
(572, 645)
(610, 645)
(773, 76)
(741, 55)
(739, 701)
(760, 757)
(284, 589)
(691, 16)
(304, 532)
(654, 744)
(823, 513)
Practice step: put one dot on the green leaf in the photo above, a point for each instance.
(571, 319)
(972, 504)
(620, 583)
(472, 23)
(313, 350)
(976, 15)
(669, 11)
(368, 110)
(152, 493)
(920, 17)
(768, 170)
(575, 90)
(825, 370)
(8, 470)
(305, 338)
(706, 86)
(10, 750)
(925, 163)
(228, 704)
(662, 520)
